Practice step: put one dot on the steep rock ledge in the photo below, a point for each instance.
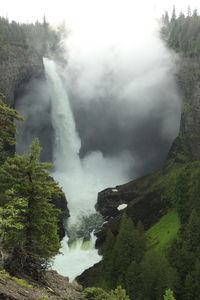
(187, 145)
(17, 66)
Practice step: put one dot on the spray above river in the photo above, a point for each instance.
(81, 179)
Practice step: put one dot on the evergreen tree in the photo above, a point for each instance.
(183, 33)
(180, 257)
(33, 244)
(133, 282)
(189, 13)
(118, 294)
(192, 235)
(195, 191)
(181, 196)
(129, 246)
(192, 287)
(7, 126)
(156, 276)
(11, 220)
(108, 260)
(173, 18)
(195, 13)
(169, 295)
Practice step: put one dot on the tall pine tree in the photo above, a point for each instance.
(32, 245)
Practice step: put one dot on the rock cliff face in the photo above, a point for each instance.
(17, 66)
(189, 135)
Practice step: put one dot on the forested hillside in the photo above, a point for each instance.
(38, 36)
(182, 33)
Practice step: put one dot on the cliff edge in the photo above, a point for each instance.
(17, 66)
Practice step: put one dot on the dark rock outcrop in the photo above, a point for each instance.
(136, 194)
(90, 277)
(61, 203)
(143, 197)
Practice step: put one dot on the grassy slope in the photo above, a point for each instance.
(161, 235)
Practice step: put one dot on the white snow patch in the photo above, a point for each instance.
(122, 206)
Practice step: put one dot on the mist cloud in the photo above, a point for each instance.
(123, 91)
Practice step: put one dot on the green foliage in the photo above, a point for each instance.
(143, 275)
(186, 108)
(182, 33)
(7, 126)
(129, 246)
(184, 256)
(29, 219)
(11, 216)
(181, 188)
(172, 244)
(161, 235)
(119, 294)
(192, 288)
(20, 281)
(107, 263)
(181, 195)
(119, 252)
(133, 281)
(39, 36)
(169, 295)
(156, 276)
(94, 293)
(11, 32)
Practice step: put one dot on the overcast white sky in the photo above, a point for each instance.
(24, 10)
(96, 21)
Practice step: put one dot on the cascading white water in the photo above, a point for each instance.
(81, 179)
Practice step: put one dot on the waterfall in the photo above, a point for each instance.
(48, 116)
(67, 143)
(81, 179)
(75, 259)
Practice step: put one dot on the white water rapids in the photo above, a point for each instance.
(81, 180)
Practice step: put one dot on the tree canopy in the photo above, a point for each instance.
(182, 33)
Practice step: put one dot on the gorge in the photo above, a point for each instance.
(121, 126)
(81, 167)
